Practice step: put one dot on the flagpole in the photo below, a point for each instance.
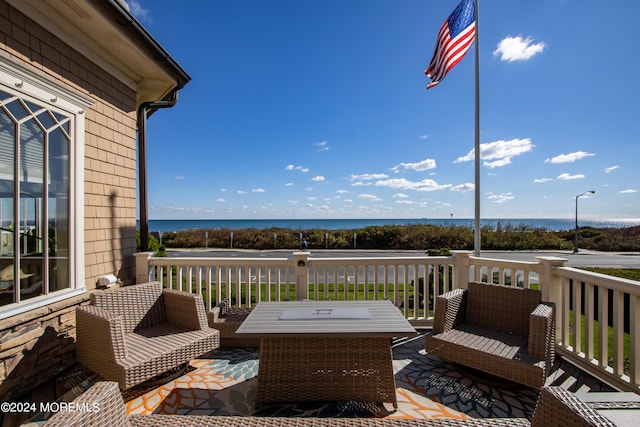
(476, 243)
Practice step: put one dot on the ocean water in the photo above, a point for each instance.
(165, 225)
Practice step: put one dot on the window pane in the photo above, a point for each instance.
(46, 120)
(17, 109)
(7, 131)
(58, 211)
(32, 238)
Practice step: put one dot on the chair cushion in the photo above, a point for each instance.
(490, 341)
(160, 340)
(494, 352)
(160, 348)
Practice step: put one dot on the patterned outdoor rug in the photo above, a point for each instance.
(224, 382)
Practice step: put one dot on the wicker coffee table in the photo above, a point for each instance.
(326, 350)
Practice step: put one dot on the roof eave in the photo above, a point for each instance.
(106, 32)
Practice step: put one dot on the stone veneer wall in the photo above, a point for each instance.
(36, 344)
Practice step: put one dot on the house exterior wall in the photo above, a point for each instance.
(35, 345)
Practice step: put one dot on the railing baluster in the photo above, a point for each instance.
(589, 321)
(326, 282)
(634, 338)
(565, 314)
(603, 327)
(207, 288)
(618, 332)
(577, 319)
(365, 285)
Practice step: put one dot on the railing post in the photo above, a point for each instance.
(144, 272)
(551, 285)
(301, 260)
(461, 264)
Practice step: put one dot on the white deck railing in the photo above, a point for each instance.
(608, 349)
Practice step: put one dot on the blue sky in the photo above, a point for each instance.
(319, 109)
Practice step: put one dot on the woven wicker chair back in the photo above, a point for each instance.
(141, 306)
(504, 308)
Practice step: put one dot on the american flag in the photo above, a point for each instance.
(454, 40)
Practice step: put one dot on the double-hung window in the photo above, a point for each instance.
(41, 137)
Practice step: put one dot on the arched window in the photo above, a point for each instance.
(39, 192)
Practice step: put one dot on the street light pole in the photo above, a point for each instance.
(575, 243)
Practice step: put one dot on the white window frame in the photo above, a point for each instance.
(18, 79)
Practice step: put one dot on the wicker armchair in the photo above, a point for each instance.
(501, 330)
(227, 320)
(134, 333)
(103, 406)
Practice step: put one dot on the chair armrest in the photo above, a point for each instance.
(213, 316)
(542, 332)
(449, 310)
(217, 312)
(102, 405)
(100, 335)
(185, 309)
(557, 406)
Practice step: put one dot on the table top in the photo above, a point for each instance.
(374, 318)
(627, 413)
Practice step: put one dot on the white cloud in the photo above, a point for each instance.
(342, 191)
(241, 192)
(361, 184)
(322, 146)
(372, 197)
(500, 198)
(538, 180)
(422, 165)
(498, 163)
(518, 49)
(289, 184)
(220, 200)
(569, 158)
(318, 178)
(400, 196)
(292, 167)
(368, 176)
(405, 202)
(141, 14)
(628, 191)
(500, 152)
(405, 184)
(567, 177)
(178, 177)
(224, 190)
(425, 136)
(258, 190)
(467, 186)
(611, 168)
